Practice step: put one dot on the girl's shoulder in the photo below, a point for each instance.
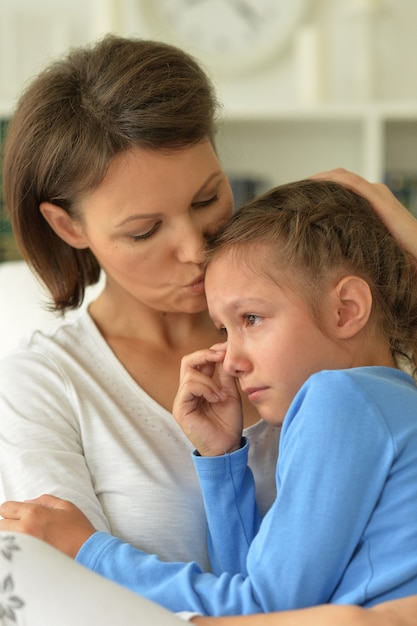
(374, 399)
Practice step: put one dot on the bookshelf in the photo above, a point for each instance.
(289, 143)
(8, 247)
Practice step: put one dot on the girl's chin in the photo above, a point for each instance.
(274, 415)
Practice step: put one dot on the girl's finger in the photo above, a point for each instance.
(200, 386)
(219, 347)
(200, 359)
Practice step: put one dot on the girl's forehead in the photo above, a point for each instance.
(254, 257)
(245, 267)
(229, 269)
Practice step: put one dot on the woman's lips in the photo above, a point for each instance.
(197, 286)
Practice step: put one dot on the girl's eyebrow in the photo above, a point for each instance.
(244, 303)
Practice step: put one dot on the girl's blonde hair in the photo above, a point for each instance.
(320, 231)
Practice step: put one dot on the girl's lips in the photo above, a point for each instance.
(254, 393)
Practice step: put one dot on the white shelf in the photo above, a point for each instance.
(352, 110)
(287, 143)
(290, 142)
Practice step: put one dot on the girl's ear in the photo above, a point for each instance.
(352, 306)
(68, 229)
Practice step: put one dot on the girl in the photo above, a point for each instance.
(318, 304)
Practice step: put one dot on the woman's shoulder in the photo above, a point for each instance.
(50, 345)
(70, 359)
(25, 305)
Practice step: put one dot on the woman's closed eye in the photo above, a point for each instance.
(201, 204)
(149, 233)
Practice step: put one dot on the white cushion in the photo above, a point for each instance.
(22, 303)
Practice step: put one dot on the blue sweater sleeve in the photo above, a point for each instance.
(232, 513)
(336, 456)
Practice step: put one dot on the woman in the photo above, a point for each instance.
(110, 164)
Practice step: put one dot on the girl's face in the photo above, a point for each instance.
(146, 223)
(273, 341)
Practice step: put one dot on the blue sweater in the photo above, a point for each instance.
(343, 528)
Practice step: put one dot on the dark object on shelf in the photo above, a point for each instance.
(246, 188)
(8, 247)
(404, 187)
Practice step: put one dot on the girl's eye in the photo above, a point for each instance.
(222, 331)
(205, 203)
(146, 235)
(252, 319)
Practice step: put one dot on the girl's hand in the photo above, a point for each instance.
(399, 221)
(58, 522)
(207, 405)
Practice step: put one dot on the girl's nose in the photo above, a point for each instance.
(235, 363)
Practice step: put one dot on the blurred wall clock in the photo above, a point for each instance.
(229, 35)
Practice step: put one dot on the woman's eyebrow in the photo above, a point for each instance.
(206, 182)
(144, 216)
(138, 216)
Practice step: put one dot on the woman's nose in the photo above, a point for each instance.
(191, 244)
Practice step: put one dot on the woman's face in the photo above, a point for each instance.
(146, 223)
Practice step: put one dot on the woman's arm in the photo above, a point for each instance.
(401, 223)
(41, 450)
(327, 615)
(401, 612)
(32, 566)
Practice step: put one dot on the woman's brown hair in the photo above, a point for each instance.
(70, 122)
(319, 230)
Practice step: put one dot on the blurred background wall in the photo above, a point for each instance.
(32, 31)
(340, 91)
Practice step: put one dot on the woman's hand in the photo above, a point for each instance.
(207, 405)
(58, 522)
(402, 612)
(399, 221)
